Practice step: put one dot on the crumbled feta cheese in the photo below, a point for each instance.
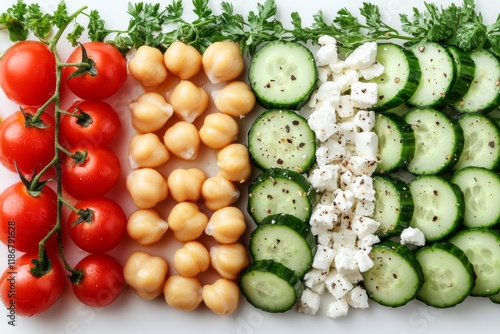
(357, 297)
(343, 201)
(327, 54)
(361, 166)
(412, 236)
(322, 122)
(345, 238)
(366, 145)
(346, 79)
(368, 241)
(329, 92)
(314, 277)
(327, 39)
(346, 108)
(337, 284)
(336, 148)
(323, 257)
(337, 67)
(364, 208)
(363, 226)
(324, 178)
(323, 216)
(337, 309)
(345, 262)
(354, 276)
(322, 156)
(364, 119)
(349, 131)
(364, 260)
(309, 302)
(363, 56)
(362, 187)
(364, 94)
(323, 74)
(372, 71)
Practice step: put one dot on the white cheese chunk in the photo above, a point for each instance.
(372, 71)
(368, 241)
(337, 67)
(323, 258)
(324, 178)
(363, 226)
(343, 201)
(363, 94)
(327, 54)
(323, 216)
(345, 79)
(309, 302)
(412, 236)
(314, 277)
(363, 56)
(364, 119)
(364, 208)
(337, 284)
(357, 297)
(337, 309)
(364, 260)
(366, 145)
(323, 122)
(345, 261)
(361, 166)
(346, 107)
(327, 39)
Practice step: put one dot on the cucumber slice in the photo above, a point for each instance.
(482, 247)
(438, 141)
(449, 276)
(396, 142)
(495, 298)
(484, 92)
(481, 142)
(280, 190)
(270, 286)
(400, 78)
(396, 276)
(465, 71)
(481, 189)
(282, 138)
(393, 206)
(285, 239)
(439, 206)
(283, 75)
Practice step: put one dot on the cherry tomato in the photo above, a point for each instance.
(94, 123)
(28, 73)
(107, 74)
(102, 281)
(91, 176)
(27, 145)
(100, 227)
(26, 295)
(26, 216)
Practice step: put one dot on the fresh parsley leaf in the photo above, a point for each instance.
(60, 16)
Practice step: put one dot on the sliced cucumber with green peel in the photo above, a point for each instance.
(285, 239)
(270, 286)
(283, 75)
(465, 72)
(396, 276)
(449, 276)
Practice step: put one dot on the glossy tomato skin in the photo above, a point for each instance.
(111, 68)
(94, 176)
(31, 295)
(105, 228)
(102, 282)
(28, 73)
(25, 218)
(29, 147)
(99, 126)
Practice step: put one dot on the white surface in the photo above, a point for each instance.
(129, 314)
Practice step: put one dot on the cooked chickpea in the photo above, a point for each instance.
(188, 100)
(147, 187)
(234, 162)
(145, 274)
(222, 296)
(183, 293)
(185, 184)
(150, 112)
(219, 192)
(222, 61)
(190, 260)
(229, 259)
(235, 99)
(146, 227)
(219, 130)
(186, 221)
(182, 60)
(147, 66)
(226, 225)
(182, 140)
(147, 150)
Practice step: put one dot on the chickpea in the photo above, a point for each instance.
(185, 184)
(183, 293)
(147, 187)
(222, 61)
(150, 112)
(145, 274)
(235, 99)
(226, 225)
(229, 259)
(219, 130)
(182, 60)
(234, 162)
(182, 140)
(190, 260)
(188, 100)
(186, 221)
(147, 150)
(219, 192)
(146, 227)
(222, 296)
(147, 66)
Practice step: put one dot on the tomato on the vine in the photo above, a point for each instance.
(91, 171)
(102, 280)
(99, 226)
(26, 142)
(27, 294)
(106, 73)
(26, 216)
(91, 123)
(28, 73)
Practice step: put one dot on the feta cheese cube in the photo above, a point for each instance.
(327, 39)
(363, 94)
(323, 216)
(337, 309)
(323, 74)
(318, 288)
(354, 276)
(337, 285)
(349, 131)
(322, 157)
(346, 108)
(363, 226)
(361, 166)
(323, 122)
(345, 262)
(336, 148)
(367, 242)
(357, 298)
(363, 119)
(337, 67)
(363, 56)
(329, 91)
(364, 208)
(309, 302)
(364, 260)
(327, 54)
(323, 236)
(412, 236)
(366, 145)
(372, 71)
(345, 79)
(362, 187)
(314, 277)
(343, 201)
(323, 257)
(344, 239)
(324, 178)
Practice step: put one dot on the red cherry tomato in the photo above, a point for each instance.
(26, 217)
(100, 227)
(27, 145)
(24, 294)
(102, 281)
(93, 176)
(94, 123)
(103, 79)
(28, 73)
